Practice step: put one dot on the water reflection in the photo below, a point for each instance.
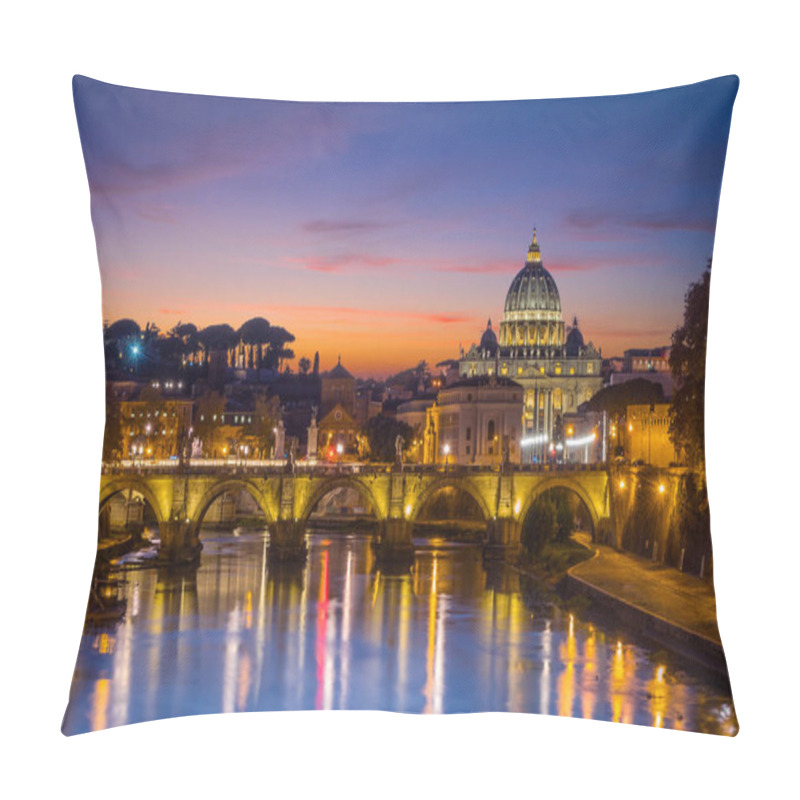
(239, 633)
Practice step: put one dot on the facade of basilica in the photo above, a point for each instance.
(555, 368)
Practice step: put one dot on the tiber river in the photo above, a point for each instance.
(237, 634)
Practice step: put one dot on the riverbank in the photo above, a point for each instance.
(669, 607)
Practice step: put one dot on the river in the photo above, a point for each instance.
(239, 634)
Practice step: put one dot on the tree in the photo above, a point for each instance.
(122, 329)
(381, 434)
(303, 366)
(540, 525)
(315, 369)
(263, 420)
(217, 337)
(614, 400)
(687, 361)
(208, 414)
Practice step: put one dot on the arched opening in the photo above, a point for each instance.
(231, 510)
(125, 515)
(343, 506)
(451, 512)
(556, 526)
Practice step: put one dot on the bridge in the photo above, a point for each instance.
(180, 496)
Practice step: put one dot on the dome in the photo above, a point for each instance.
(533, 288)
(532, 316)
(489, 340)
(574, 340)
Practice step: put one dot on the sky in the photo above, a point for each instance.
(389, 233)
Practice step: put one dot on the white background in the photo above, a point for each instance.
(52, 385)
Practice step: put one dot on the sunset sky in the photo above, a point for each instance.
(390, 232)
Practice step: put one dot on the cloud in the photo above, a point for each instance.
(315, 312)
(347, 262)
(591, 219)
(154, 213)
(173, 311)
(342, 226)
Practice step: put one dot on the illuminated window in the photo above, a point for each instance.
(558, 369)
(572, 370)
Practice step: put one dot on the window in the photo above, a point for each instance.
(469, 435)
(490, 432)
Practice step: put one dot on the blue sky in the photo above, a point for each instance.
(390, 232)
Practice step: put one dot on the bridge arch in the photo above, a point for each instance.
(231, 485)
(453, 482)
(136, 485)
(328, 485)
(561, 482)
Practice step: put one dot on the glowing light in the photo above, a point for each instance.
(584, 440)
(446, 449)
(530, 440)
(339, 448)
(517, 507)
(408, 510)
(630, 427)
(662, 488)
(622, 484)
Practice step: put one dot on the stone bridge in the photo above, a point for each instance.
(180, 497)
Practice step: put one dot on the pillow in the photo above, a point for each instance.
(404, 407)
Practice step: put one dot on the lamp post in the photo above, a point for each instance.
(446, 451)
(339, 451)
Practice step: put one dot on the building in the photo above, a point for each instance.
(556, 369)
(646, 435)
(338, 388)
(155, 425)
(475, 421)
(651, 364)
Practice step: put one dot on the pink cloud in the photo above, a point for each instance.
(348, 262)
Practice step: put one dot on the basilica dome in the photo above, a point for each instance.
(489, 340)
(574, 340)
(532, 315)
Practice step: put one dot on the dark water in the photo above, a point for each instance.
(237, 634)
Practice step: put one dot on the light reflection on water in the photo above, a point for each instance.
(240, 634)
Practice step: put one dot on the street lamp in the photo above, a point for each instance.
(339, 451)
(446, 451)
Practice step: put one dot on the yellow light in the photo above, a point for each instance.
(630, 427)
(408, 510)
(517, 507)
(622, 484)
(662, 488)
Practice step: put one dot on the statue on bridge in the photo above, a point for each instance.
(398, 449)
(313, 434)
(292, 460)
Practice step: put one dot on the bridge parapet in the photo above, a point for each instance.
(396, 496)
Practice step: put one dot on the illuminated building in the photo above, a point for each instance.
(338, 388)
(471, 420)
(556, 369)
(646, 435)
(154, 424)
(338, 426)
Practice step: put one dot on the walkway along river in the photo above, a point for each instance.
(237, 633)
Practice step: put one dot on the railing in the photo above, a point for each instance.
(220, 466)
